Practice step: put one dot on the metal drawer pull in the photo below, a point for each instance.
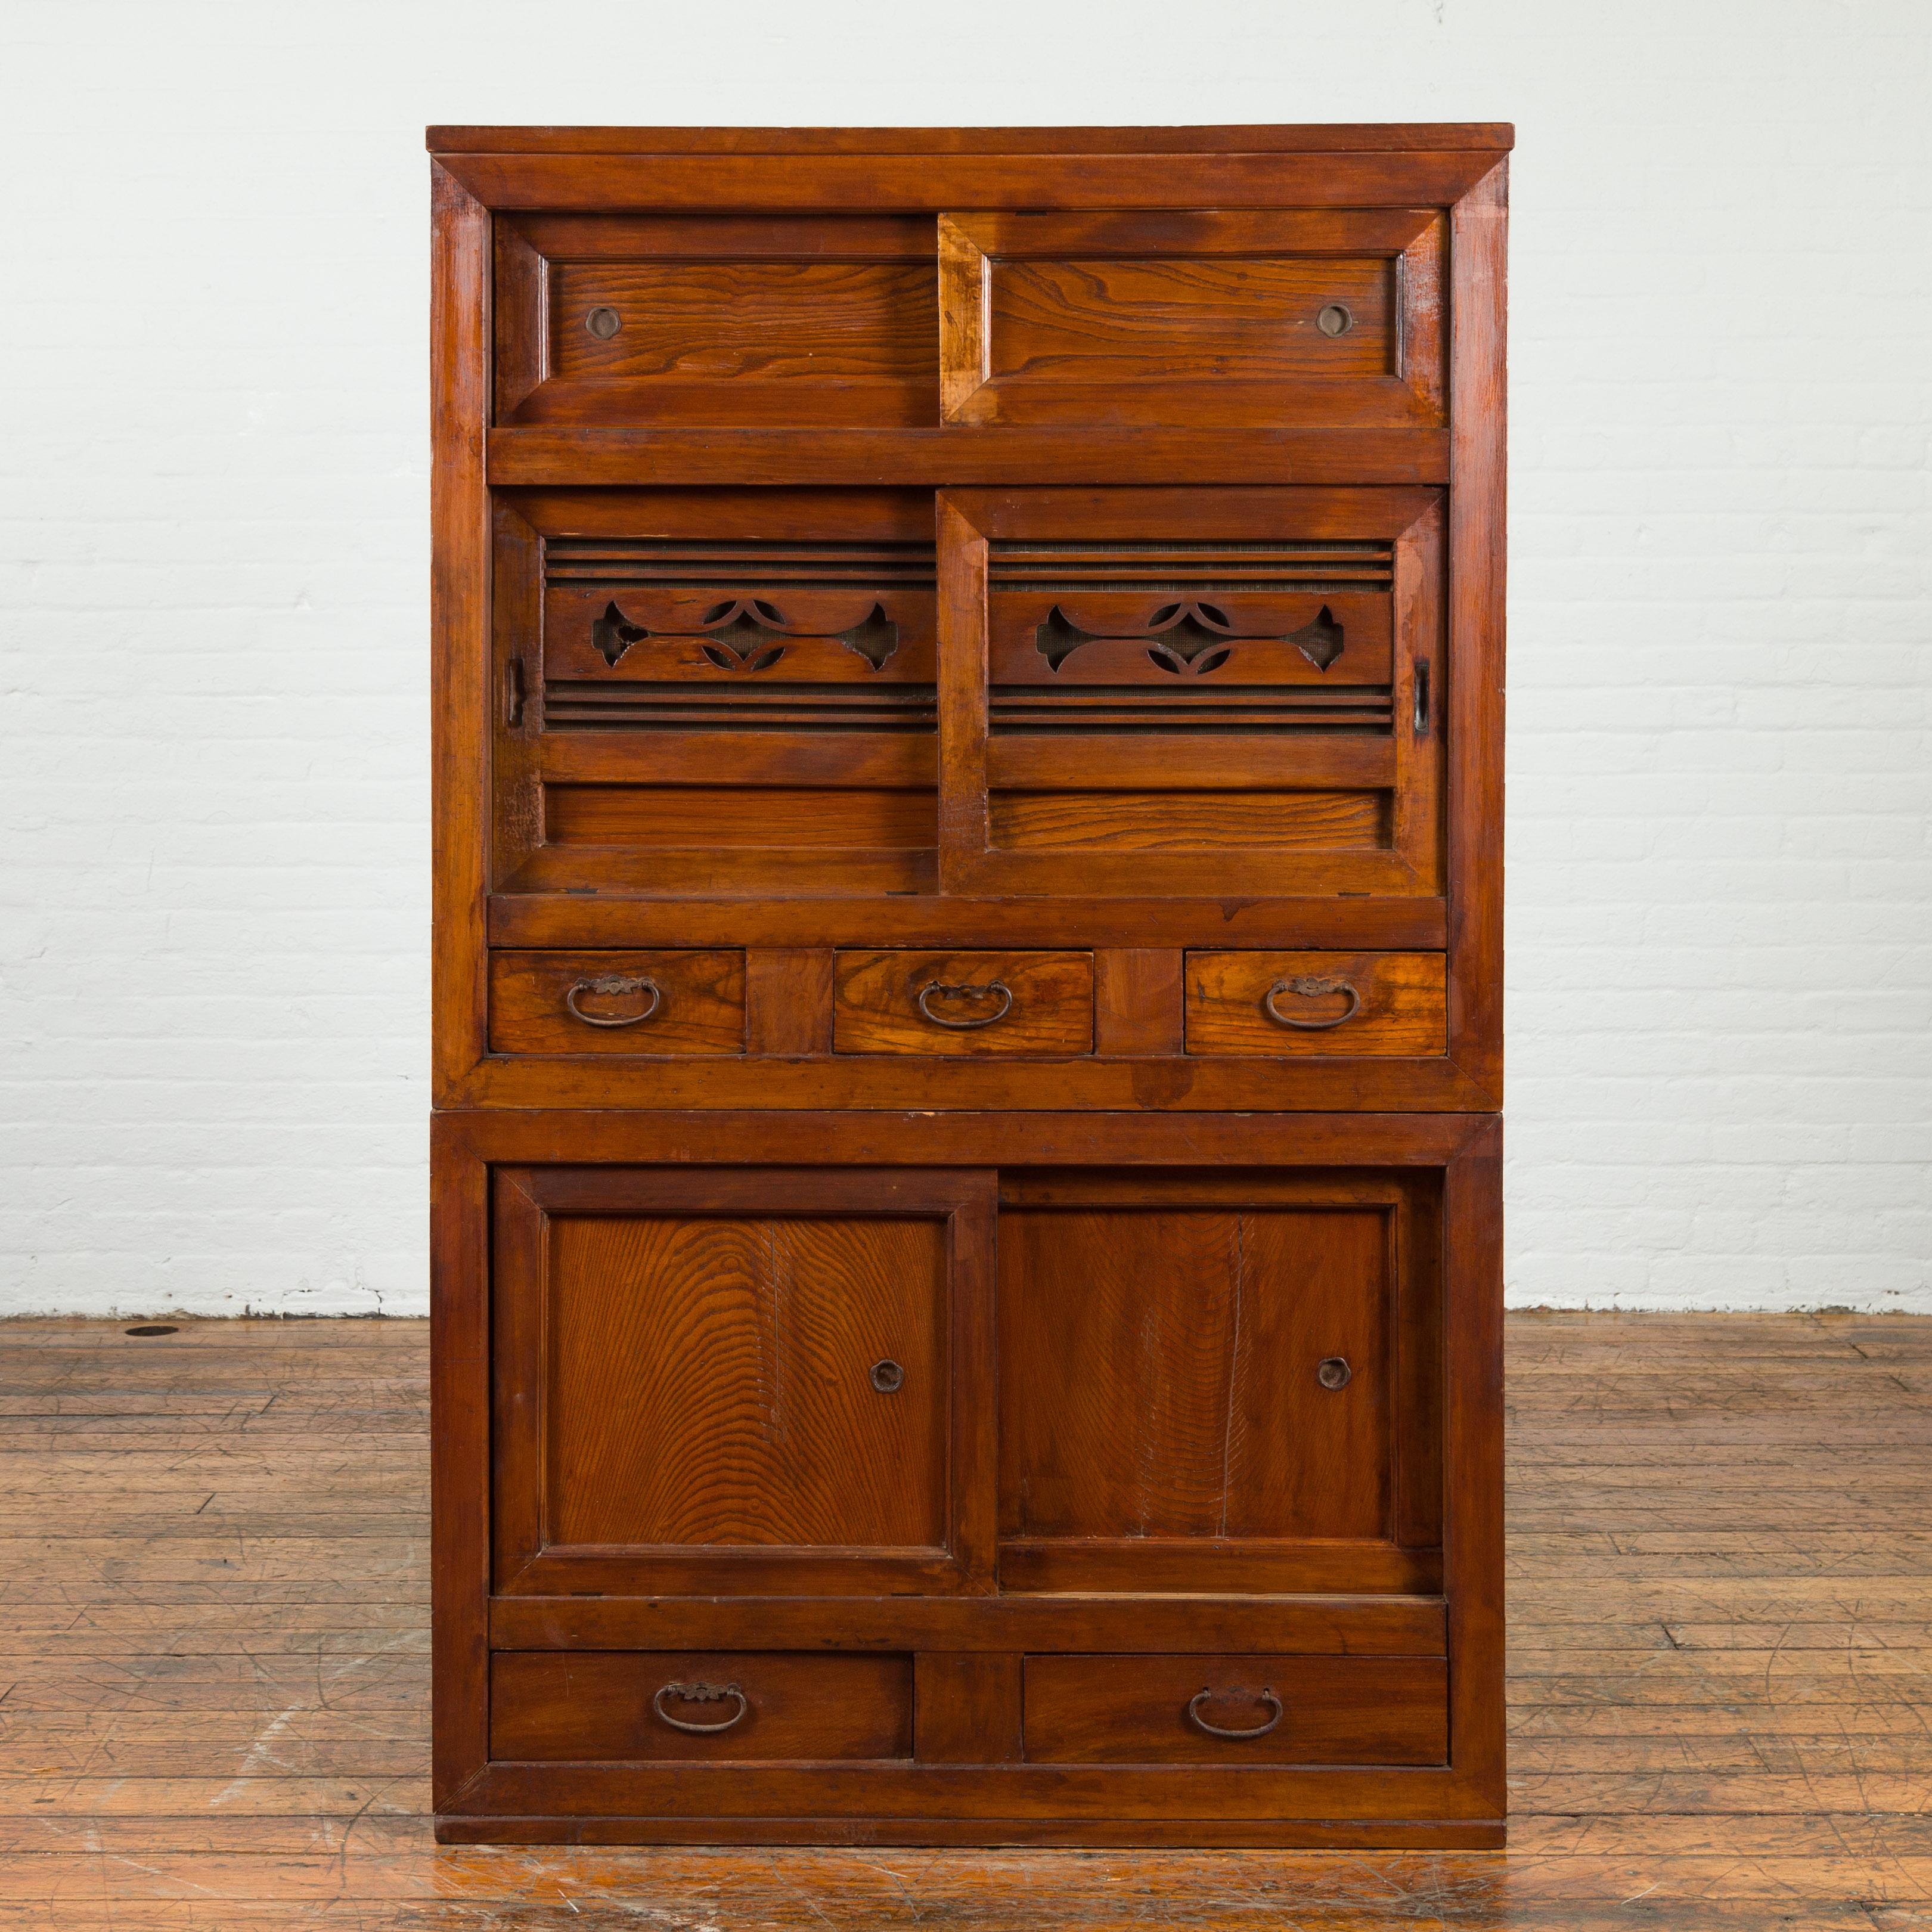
(1310, 989)
(613, 983)
(1200, 1723)
(986, 992)
(1334, 1373)
(699, 1694)
(888, 1378)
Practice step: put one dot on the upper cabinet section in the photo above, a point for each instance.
(1270, 320)
(741, 321)
(1263, 320)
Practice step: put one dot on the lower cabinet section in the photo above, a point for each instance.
(959, 1481)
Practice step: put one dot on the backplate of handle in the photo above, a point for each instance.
(614, 985)
(699, 1694)
(1200, 1723)
(992, 988)
(1308, 988)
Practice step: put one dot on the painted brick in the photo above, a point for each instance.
(213, 575)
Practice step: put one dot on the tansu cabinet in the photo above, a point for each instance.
(968, 1028)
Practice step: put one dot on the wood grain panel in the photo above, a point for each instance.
(552, 1706)
(731, 319)
(1197, 317)
(788, 1001)
(709, 1381)
(700, 1009)
(767, 321)
(734, 817)
(876, 1003)
(1131, 322)
(1134, 1710)
(1397, 1004)
(967, 1707)
(1183, 821)
(1158, 1373)
(1137, 1000)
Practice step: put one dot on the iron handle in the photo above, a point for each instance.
(699, 1694)
(613, 983)
(998, 986)
(1310, 988)
(1200, 1723)
(1334, 1373)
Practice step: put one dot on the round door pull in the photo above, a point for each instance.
(1306, 987)
(614, 985)
(994, 988)
(888, 1378)
(699, 1694)
(1200, 1723)
(1334, 1373)
(603, 323)
(1335, 320)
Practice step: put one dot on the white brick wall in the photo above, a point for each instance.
(213, 491)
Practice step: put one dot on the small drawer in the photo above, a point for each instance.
(1289, 1003)
(964, 1002)
(760, 1706)
(632, 1002)
(1237, 1710)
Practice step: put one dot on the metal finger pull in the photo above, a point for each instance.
(888, 1378)
(995, 988)
(1334, 1373)
(1200, 1723)
(614, 985)
(699, 1694)
(1309, 989)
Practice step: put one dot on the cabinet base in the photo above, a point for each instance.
(1423, 1834)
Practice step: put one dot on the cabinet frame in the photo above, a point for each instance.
(1138, 1104)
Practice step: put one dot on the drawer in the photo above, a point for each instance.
(963, 1003)
(759, 1705)
(1285, 1004)
(633, 1003)
(1237, 1710)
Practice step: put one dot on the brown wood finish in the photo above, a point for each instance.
(963, 1003)
(937, 632)
(217, 1664)
(638, 1003)
(782, 1707)
(1229, 320)
(1321, 1003)
(737, 1378)
(1156, 1710)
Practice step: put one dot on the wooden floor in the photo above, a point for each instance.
(213, 1683)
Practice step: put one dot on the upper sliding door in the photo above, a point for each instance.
(1191, 692)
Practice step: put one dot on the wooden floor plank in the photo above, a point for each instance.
(213, 1703)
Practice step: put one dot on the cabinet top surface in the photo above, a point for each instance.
(1338, 137)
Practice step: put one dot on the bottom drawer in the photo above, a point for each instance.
(1237, 1710)
(764, 1706)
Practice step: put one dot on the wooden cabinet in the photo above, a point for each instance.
(967, 957)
